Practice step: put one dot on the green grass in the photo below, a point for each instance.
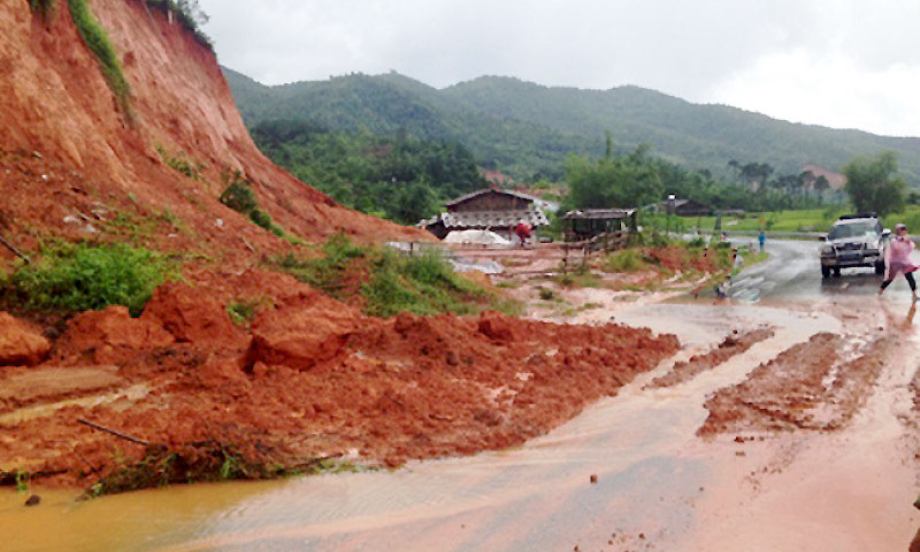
(244, 311)
(44, 8)
(188, 17)
(97, 40)
(391, 282)
(179, 163)
(910, 217)
(238, 195)
(74, 278)
(809, 220)
(326, 274)
(751, 258)
(627, 260)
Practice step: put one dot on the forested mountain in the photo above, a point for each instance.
(385, 105)
(526, 130)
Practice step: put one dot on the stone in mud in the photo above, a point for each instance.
(495, 326)
(34, 500)
(192, 315)
(300, 336)
(109, 336)
(20, 345)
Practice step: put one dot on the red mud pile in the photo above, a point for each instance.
(675, 258)
(314, 377)
(808, 386)
(69, 160)
(732, 346)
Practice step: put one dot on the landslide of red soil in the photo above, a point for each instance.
(807, 387)
(315, 377)
(675, 258)
(70, 163)
(732, 346)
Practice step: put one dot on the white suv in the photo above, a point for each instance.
(854, 241)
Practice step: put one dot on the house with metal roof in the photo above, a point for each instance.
(686, 208)
(491, 209)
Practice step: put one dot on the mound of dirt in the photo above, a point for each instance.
(192, 316)
(303, 335)
(109, 336)
(732, 346)
(322, 379)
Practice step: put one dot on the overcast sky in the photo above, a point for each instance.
(840, 63)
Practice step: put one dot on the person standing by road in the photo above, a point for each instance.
(897, 260)
(762, 238)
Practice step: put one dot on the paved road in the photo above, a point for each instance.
(793, 273)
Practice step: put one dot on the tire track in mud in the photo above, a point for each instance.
(818, 385)
(732, 346)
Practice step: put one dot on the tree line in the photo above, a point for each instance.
(401, 178)
(640, 178)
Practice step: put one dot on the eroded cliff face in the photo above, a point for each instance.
(67, 149)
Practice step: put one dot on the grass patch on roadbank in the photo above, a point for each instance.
(210, 461)
(83, 276)
(386, 282)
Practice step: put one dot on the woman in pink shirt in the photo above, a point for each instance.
(897, 260)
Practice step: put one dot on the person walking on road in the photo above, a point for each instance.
(762, 238)
(897, 260)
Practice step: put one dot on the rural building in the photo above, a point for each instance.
(589, 223)
(493, 209)
(686, 208)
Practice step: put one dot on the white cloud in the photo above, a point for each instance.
(835, 62)
(832, 90)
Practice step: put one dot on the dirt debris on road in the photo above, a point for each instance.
(818, 385)
(732, 346)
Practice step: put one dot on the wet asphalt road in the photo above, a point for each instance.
(793, 273)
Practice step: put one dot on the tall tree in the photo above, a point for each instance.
(873, 184)
(629, 181)
(822, 184)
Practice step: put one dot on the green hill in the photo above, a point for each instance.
(526, 130)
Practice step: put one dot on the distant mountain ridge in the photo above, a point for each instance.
(526, 129)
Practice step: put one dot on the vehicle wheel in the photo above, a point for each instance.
(880, 269)
(836, 273)
(825, 272)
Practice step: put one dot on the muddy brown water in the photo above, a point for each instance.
(658, 486)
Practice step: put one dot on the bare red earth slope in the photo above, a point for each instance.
(55, 101)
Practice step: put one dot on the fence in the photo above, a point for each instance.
(568, 254)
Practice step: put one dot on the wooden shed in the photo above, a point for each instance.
(586, 224)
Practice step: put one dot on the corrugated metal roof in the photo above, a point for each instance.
(489, 219)
(469, 196)
(599, 214)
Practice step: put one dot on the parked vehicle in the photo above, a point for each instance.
(854, 241)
